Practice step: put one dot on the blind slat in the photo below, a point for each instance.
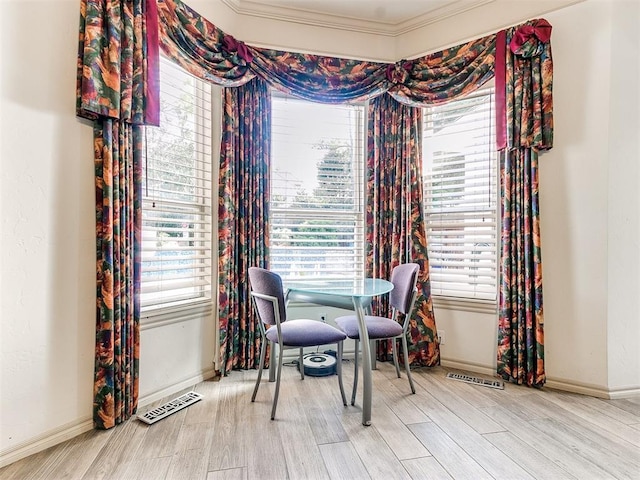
(460, 196)
(177, 207)
(316, 211)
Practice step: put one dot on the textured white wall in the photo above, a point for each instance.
(574, 198)
(47, 235)
(589, 211)
(173, 356)
(591, 202)
(624, 199)
(470, 339)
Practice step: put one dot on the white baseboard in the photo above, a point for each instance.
(622, 393)
(553, 383)
(44, 441)
(73, 429)
(593, 390)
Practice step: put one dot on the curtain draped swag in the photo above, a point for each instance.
(243, 225)
(524, 113)
(117, 90)
(395, 229)
(528, 130)
(207, 52)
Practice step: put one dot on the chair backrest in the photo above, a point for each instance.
(404, 278)
(265, 282)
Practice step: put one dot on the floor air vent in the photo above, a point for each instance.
(476, 380)
(158, 413)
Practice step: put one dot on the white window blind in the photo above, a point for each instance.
(316, 209)
(460, 194)
(176, 207)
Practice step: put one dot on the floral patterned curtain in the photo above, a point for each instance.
(209, 53)
(320, 79)
(445, 75)
(395, 229)
(200, 47)
(524, 115)
(118, 167)
(243, 227)
(527, 83)
(116, 89)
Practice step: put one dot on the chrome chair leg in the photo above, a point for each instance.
(339, 372)
(395, 356)
(300, 363)
(373, 348)
(278, 375)
(355, 374)
(405, 350)
(263, 351)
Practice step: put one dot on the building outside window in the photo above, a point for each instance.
(460, 196)
(316, 211)
(176, 206)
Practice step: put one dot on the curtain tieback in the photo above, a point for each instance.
(231, 45)
(528, 40)
(399, 72)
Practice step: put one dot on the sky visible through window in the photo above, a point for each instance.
(299, 127)
(316, 195)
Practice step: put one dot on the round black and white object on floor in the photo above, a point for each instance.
(319, 364)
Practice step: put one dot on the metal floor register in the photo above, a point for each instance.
(499, 384)
(163, 411)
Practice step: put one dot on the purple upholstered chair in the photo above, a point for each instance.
(268, 298)
(401, 299)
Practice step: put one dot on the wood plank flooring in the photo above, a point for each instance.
(447, 430)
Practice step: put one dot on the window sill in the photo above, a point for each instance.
(161, 316)
(465, 304)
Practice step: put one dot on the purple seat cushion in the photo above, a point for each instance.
(305, 333)
(378, 327)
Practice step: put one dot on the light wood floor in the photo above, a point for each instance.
(448, 429)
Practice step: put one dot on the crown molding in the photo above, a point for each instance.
(353, 24)
(496, 9)
(442, 13)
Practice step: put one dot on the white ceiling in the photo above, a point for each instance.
(391, 17)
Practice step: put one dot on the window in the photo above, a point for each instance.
(460, 192)
(316, 208)
(176, 206)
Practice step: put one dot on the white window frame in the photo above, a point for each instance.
(280, 215)
(196, 241)
(454, 286)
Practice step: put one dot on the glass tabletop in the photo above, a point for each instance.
(363, 287)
